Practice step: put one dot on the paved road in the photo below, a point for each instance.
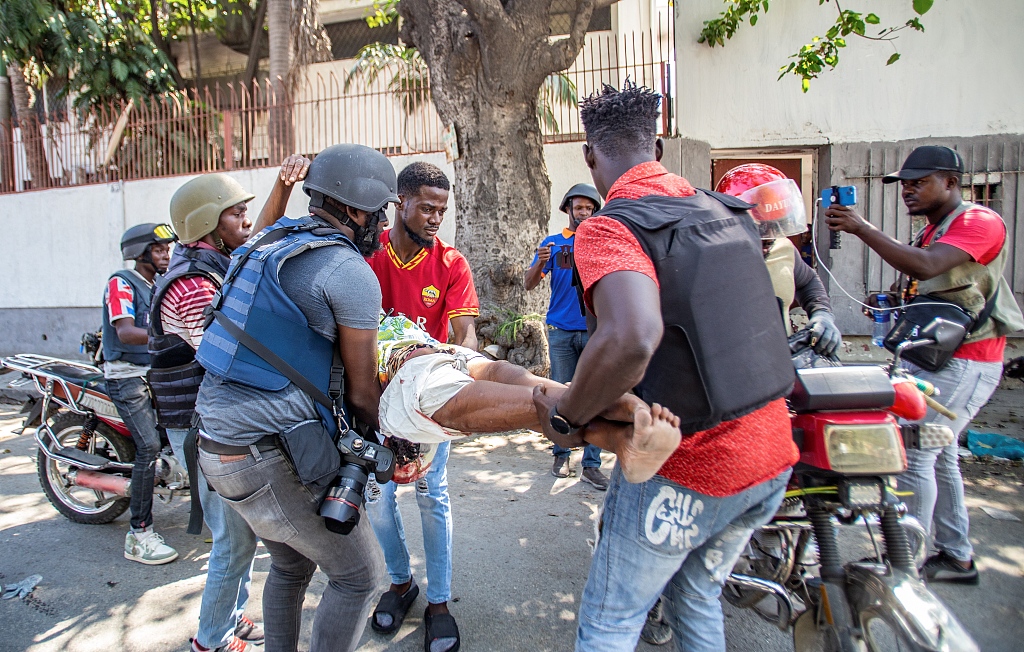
(521, 559)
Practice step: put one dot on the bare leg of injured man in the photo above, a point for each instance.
(441, 393)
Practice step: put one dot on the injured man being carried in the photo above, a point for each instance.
(435, 392)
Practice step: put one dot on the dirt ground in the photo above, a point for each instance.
(521, 558)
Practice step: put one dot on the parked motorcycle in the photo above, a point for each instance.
(851, 448)
(85, 450)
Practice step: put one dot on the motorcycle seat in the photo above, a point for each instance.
(77, 376)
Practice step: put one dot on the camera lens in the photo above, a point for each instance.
(340, 507)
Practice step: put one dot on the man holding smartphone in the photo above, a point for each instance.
(567, 327)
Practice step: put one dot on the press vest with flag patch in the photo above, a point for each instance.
(252, 298)
(113, 347)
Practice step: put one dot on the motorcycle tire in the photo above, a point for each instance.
(67, 426)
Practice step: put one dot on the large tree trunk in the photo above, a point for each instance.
(487, 63)
(282, 137)
(31, 134)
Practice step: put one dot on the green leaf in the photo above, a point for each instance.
(921, 7)
(119, 69)
(753, 20)
(872, 19)
(893, 59)
(805, 84)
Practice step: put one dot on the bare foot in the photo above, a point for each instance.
(655, 437)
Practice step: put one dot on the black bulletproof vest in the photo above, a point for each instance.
(174, 374)
(724, 352)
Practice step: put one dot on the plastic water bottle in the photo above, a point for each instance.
(881, 319)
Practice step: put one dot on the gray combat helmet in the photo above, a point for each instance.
(353, 175)
(581, 190)
(136, 239)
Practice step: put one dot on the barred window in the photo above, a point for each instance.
(348, 37)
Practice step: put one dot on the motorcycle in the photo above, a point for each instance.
(85, 450)
(792, 573)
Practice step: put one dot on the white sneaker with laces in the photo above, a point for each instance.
(148, 547)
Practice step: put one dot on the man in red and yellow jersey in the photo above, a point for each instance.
(421, 276)
(686, 316)
(429, 282)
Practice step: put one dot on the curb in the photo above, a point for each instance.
(15, 394)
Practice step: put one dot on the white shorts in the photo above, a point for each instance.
(419, 389)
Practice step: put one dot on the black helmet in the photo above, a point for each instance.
(354, 175)
(136, 239)
(581, 190)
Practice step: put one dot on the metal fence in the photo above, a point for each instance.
(233, 126)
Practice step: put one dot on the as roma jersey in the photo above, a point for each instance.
(433, 287)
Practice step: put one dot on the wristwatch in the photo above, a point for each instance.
(560, 424)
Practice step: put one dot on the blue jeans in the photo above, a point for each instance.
(135, 406)
(564, 349)
(658, 537)
(263, 488)
(933, 475)
(229, 571)
(435, 519)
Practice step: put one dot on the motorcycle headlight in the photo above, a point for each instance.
(870, 449)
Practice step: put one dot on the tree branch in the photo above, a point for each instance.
(485, 12)
(561, 53)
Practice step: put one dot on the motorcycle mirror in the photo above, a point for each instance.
(945, 333)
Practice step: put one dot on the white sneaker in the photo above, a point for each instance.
(148, 547)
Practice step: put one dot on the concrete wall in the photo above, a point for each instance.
(60, 246)
(961, 77)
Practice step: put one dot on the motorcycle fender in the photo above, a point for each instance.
(905, 602)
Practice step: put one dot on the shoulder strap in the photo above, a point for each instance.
(986, 312)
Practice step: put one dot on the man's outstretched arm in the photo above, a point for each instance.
(629, 329)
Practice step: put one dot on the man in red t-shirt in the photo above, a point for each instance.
(421, 276)
(682, 531)
(428, 281)
(959, 257)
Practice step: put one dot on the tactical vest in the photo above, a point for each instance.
(252, 298)
(972, 284)
(724, 352)
(174, 374)
(780, 261)
(113, 347)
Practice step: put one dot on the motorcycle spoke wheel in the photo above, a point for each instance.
(81, 504)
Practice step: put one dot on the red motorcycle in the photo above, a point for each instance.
(85, 451)
(793, 573)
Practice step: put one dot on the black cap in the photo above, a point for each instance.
(924, 161)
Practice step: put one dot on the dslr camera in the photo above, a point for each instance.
(359, 457)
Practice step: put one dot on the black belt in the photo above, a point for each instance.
(266, 443)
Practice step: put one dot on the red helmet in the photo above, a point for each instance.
(778, 204)
(744, 177)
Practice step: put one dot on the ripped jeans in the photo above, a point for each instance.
(659, 537)
(435, 518)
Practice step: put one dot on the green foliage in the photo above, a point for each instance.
(513, 322)
(408, 70)
(107, 49)
(822, 52)
(384, 12)
(557, 89)
(410, 77)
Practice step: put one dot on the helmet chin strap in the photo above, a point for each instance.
(364, 237)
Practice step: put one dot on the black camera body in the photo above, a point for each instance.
(344, 497)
